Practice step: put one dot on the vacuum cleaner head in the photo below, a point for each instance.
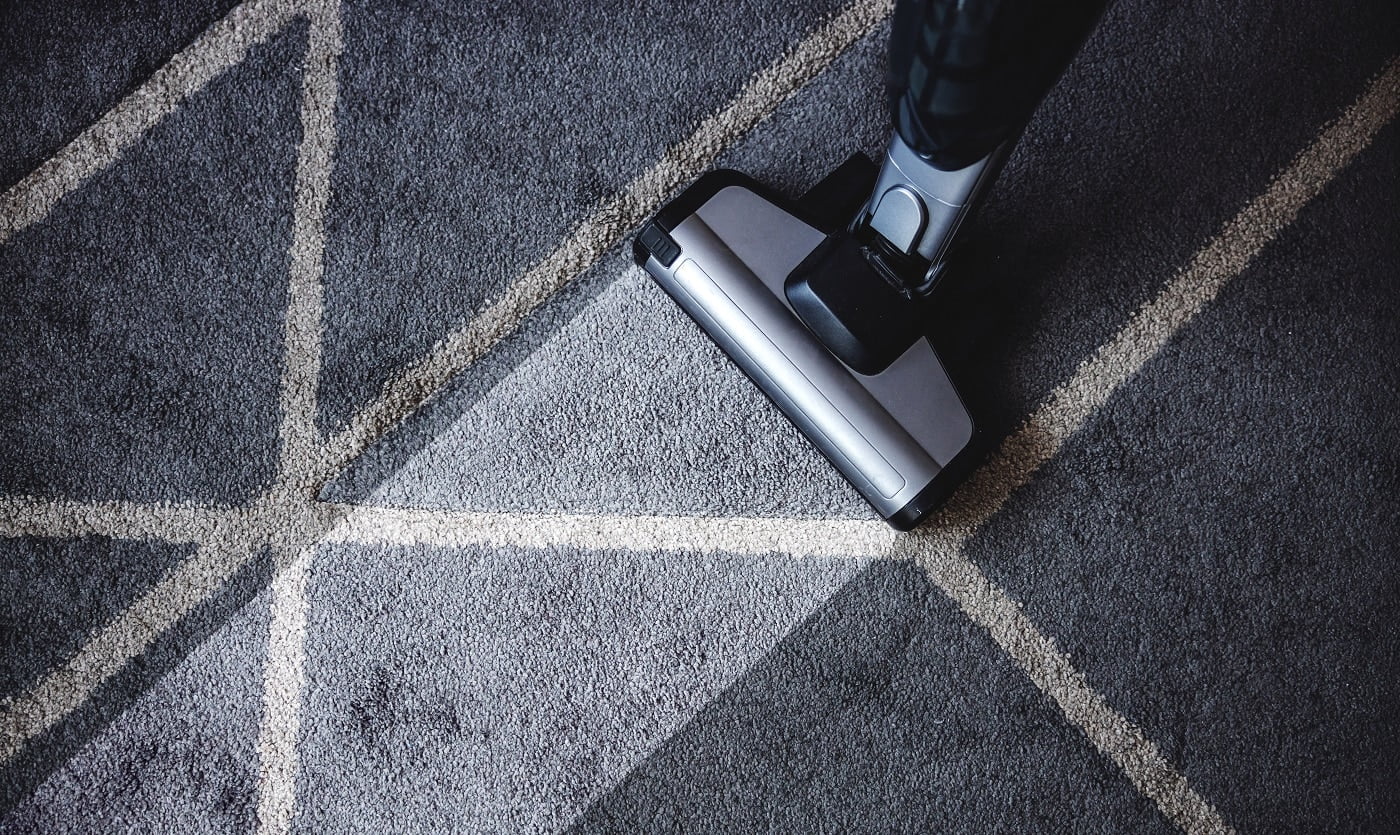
(734, 255)
(822, 302)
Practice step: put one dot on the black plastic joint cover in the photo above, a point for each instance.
(863, 320)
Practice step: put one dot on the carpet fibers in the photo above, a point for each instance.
(353, 478)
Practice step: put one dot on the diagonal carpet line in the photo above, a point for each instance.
(175, 523)
(301, 370)
(845, 538)
(221, 47)
(69, 687)
(602, 230)
(1053, 673)
(1073, 402)
(1223, 258)
(284, 671)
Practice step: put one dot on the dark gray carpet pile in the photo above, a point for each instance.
(352, 477)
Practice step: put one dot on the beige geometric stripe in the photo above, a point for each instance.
(301, 372)
(220, 47)
(605, 227)
(1223, 258)
(284, 679)
(283, 674)
(69, 519)
(845, 538)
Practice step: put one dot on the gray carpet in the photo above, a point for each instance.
(249, 584)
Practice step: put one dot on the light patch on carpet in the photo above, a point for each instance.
(627, 409)
(503, 689)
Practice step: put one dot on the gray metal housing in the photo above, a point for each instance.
(918, 208)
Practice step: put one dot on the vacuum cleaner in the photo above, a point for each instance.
(823, 301)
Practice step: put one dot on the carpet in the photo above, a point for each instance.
(354, 479)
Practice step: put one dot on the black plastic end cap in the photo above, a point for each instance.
(654, 238)
(657, 243)
(907, 518)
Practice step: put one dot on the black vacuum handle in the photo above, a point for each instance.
(965, 75)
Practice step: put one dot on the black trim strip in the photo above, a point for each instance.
(937, 491)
